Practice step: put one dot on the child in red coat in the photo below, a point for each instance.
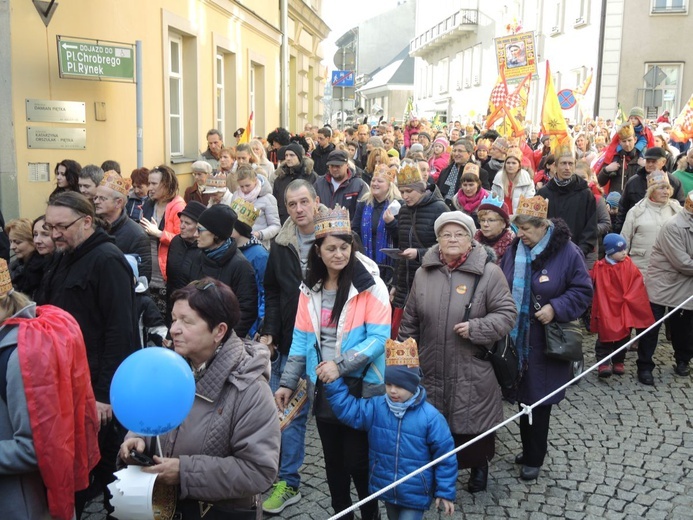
(620, 303)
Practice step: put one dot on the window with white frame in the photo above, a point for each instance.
(251, 90)
(557, 19)
(476, 65)
(669, 89)
(443, 75)
(458, 70)
(582, 14)
(175, 78)
(467, 68)
(669, 6)
(220, 101)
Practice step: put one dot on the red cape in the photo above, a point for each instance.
(61, 404)
(620, 300)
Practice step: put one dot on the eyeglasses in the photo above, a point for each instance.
(449, 236)
(201, 229)
(488, 220)
(61, 228)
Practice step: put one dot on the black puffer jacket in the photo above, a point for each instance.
(319, 157)
(284, 177)
(235, 271)
(181, 255)
(416, 230)
(132, 240)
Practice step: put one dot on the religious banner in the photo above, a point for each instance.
(516, 54)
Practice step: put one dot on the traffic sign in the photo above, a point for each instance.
(342, 78)
(91, 59)
(566, 98)
(654, 77)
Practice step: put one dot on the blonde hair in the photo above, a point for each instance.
(376, 153)
(13, 302)
(392, 194)
(263, 154)
(245, 171)
(23, 229)
(653, 187)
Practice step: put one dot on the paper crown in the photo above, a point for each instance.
(332, 222)
(688, 206)
(137, 496)
(408, 175)
(483, 144)
(626, 131)
(471, 167)
(383, 171)
(500, 144)
(565, 148)
(492, 200)
(247, 214)
(115, 182)
(5, 279)
(657, 177)
(515, 153)
(403, 353)
(215, 184)
(536, 206)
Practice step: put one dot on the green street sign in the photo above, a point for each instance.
(92, 59)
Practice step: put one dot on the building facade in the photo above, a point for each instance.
(204, 64)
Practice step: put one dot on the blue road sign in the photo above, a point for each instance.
(342, 78)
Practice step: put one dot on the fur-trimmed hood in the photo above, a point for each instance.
(287, 234)
(305, 168)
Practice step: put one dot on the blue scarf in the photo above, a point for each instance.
(399, 409)
(522, 287)
(382, 240)
(213, 254)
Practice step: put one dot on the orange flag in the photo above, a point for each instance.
(683, 124)
(552, 121)
(516, 107)
(497, 100)
(247, 135)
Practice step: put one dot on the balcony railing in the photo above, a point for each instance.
(464, 20)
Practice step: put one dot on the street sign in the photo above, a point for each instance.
(342, 78)
(654, 77)
(92, 59)
(566, 98)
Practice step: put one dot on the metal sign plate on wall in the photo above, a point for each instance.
(56, 138)
(81, 58)
(49, 111)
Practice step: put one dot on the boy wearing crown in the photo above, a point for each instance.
(405, 432)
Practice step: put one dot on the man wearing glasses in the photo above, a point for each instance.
(92, 280)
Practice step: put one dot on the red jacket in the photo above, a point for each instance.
(171, 229)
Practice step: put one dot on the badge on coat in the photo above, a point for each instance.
(543, 279)
(461, 289)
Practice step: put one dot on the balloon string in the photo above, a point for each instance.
(158, 445)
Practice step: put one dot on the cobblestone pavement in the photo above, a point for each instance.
(617, 450)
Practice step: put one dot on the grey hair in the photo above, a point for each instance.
(521, 220)
(93, 172)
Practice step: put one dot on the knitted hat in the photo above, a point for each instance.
(393, 153)
(219, 220)
(425, 134)
(657, 177)
(442, 141)
(402, 364)
(193, 210)
(296, 148)
(115, 182)
(492, 203)
(614, 243)
(416, 147)
(637, 112)
(5, 279)
(202, 166)
(455, 217)
(688, 206)
(613, 198)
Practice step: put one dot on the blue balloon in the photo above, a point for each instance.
(152, 391)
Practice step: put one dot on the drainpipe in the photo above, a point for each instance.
(284, 64)
(600, 59)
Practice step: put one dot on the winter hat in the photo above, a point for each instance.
(492, 203)
(402, 364)
(426, 135)
(193, 210)
(133, 260)
(637, 112)
(614, 243)
(219, 220)
(613, 198)
(442, 141)
(416, 147)
(296, 148)
(455, 217)
(655, 153)
(202, 166)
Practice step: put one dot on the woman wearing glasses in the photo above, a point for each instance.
(494, 224)
(161, 222)
(453, 273)
(226, 452)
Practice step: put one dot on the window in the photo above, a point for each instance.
(669, 6)
(582, 14)
(225, 98)
(476, 65)
(443, 75)
(175, 109)
(663, 90)
(251, 90)
(220, 102)
(256, 95)
(458, 70)
(467, 68)
(557, 19)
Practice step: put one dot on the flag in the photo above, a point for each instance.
(497, 99)
(683, 124)
(516, 107)
(247, 134)
(619, 118)
(408, 109)
(552, 121)
(582, 89)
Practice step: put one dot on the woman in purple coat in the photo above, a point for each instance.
(542, 261)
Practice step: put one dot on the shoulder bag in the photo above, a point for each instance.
(563, 339)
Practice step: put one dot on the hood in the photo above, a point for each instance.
(265, 187)
(8, 334)
(305, 168)
(523, 179)
(477, 259)
(432, 195)
(142, 285)
(287, 234)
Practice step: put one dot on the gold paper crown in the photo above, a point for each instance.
(471, 167)
(514, 152)
(115, 182)
(408, 175)
(657, 177)
(383, 171)
(403, 353)
(483, 142)
(688, 206)
(5, 279)
(536, 206)
(246, 211)
(332, 222)
(565, 148)
(500, 144)
(626, 131)
(215, 183)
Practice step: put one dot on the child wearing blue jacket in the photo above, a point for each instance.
(405, 432)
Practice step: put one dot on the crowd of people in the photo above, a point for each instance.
(350, 274)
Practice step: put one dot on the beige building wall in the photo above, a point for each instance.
(230, 57)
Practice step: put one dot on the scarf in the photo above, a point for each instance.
(455, 263)
(499, 243)
(252, 196)
(382, 240)
(213, 254)
(522, 287)
(399, 409)
(561, 182)
(469, 204)
(451, 182)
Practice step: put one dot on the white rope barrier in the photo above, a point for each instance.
(526, 410)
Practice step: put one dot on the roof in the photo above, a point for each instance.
(400, 71)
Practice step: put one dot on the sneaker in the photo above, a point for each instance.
(605, 370)
(619, 369)
(281, 497)
(681, 368)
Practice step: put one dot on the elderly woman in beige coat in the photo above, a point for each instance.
(457, 271)
(645, 220)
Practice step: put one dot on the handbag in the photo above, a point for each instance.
(563, 339)
(502, 355)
